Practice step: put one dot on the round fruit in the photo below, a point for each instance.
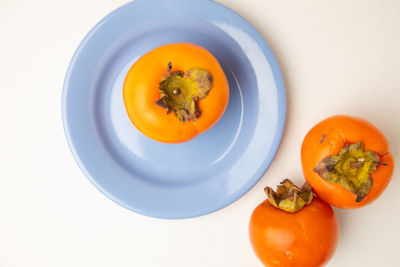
(292, 228)
(347, 161)
(175, 92)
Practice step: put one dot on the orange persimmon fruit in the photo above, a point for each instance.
(175, 92)
(293, 228)
(347, 161)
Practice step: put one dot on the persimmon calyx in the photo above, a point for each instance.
(351, 168)
(289, 197)
(179, 91)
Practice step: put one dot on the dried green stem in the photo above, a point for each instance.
(289, 197)
(351, 168)
(179, 91)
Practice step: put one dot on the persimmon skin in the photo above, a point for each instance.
(140, 92)
(307, 238)
(326, 139)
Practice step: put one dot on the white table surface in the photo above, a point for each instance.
(337, 56)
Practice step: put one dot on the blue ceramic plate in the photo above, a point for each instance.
(173, 180)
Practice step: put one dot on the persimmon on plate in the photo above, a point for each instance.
(175, 92)
(347, 161)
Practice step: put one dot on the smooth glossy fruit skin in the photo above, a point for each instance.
(307, 238)
(326, 139)
(140, 92)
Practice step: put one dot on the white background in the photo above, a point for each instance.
(337, 56)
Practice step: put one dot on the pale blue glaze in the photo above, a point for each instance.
(173, 180)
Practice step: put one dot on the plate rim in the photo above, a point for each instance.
(280, 126)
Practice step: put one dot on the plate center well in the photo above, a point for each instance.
(173, 164)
